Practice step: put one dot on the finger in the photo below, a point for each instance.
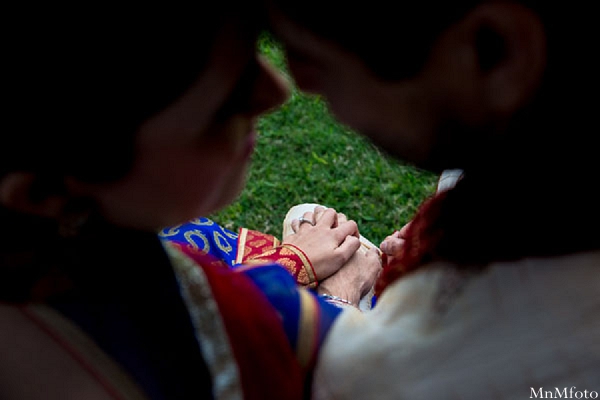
(392, 237)
(297, 224)
(309, 215)
(404, 229)
(386, 245)
(372, 266)
(348, 247)
(338, 220)
(318, 211)
(348, 228)
(341, 218)
(392, 246)
(328, 218)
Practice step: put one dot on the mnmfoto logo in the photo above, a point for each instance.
(565, 393)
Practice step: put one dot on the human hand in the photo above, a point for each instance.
(355, 278)
(329, 244)
(392, 245)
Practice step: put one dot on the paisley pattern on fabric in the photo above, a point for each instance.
(254, 244)
(204, 235)
(246, 247)
(277, 269)
(306, 317)
(259, 248)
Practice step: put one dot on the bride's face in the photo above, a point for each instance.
(191, 158)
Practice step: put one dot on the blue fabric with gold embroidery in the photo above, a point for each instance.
(301, 313)
(205, 235)
(282, 292)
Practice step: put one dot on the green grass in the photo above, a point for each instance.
(304, 155)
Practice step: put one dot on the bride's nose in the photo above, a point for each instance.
(270, 88)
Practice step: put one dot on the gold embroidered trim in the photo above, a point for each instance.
(241, 245)
(307, 335)
(310, 271)
(209, 327)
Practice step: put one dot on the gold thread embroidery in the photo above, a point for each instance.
(268, 253)
(305, 262)
(198, 221)
(195, 233)
(288, 263)
(229, 234)
(302, 277)
(306, 329)
(241, 252)
(209, 326)
(247, 251)
(285, 251)
(171, 232)
(258, 243)
(219, 240)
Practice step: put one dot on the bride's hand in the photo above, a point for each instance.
(328, 241)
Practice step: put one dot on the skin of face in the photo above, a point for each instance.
(413, 118)
(192, 158)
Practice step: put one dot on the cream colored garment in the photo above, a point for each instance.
(517, 327)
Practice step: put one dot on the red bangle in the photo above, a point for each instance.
(305, 260)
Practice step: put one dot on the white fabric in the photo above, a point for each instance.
(448, 179)
(516, 327)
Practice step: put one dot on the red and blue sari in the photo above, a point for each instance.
(280, 272)
(198, 310)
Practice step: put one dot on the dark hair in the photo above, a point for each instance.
(392, 39)
(530, 195)
(81, 81)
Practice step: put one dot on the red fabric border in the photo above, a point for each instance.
(268, 367)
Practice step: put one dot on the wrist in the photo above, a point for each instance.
(338, 301)
(352, 297)
(311, 274)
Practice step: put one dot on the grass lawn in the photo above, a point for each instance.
(304, 155)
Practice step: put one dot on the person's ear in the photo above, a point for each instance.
(510, 46)
(33, 194)
(490, 63)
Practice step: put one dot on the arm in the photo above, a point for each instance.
(311, 253)
(352, 284)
